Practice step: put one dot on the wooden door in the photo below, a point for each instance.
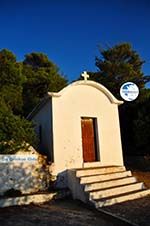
(88, 139)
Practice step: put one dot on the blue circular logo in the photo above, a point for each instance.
(129, 91)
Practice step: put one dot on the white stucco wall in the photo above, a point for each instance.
(20, 172)
(43, 118)
(78, 101)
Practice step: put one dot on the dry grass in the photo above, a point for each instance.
(142, 176)
(138, 210)
(140, 167)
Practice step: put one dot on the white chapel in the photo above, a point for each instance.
(79, 126)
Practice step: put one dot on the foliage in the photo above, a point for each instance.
(41, 76)
(38, 60)
(22, 85)
(116, 66)
(12, 96)
(15, 132)
(141, 125)
(11, 80)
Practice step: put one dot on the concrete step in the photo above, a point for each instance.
(104, 177)
(110, 183)
(91, 164)
(99, 170)
(122, 198)
(103, 193)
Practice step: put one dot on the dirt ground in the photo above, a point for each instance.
(137, 211)
(54, 213)
(73, 213)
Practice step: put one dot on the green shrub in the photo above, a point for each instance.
(15, 132)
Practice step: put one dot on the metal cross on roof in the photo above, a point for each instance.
(85, 75)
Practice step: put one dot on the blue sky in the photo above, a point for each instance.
(69, 32)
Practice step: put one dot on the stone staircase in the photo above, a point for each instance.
(104, 186)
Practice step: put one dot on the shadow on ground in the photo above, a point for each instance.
(55, 213)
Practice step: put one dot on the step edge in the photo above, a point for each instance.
(121, 185)
(97, 167)
(117, 187)
(104, 174)
(107, 197)
(139, 191)
(114, 179)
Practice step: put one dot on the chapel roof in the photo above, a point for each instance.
(90, 83)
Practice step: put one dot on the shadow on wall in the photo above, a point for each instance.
(24, 177)
(61, 181)
(28, 183)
